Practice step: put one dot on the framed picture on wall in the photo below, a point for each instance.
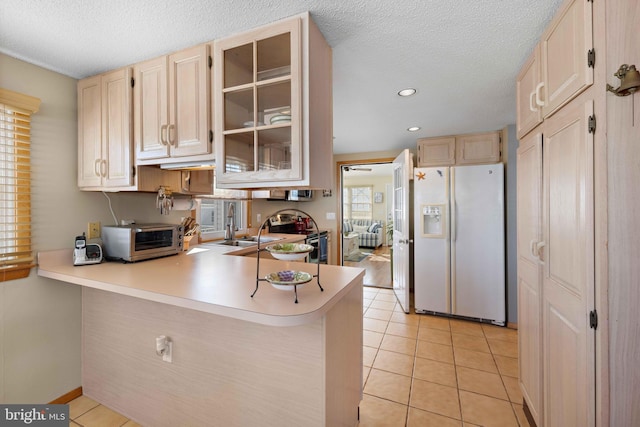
(377, 197)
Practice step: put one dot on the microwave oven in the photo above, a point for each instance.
(137, 242)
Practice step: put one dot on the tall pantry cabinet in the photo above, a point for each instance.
(556, 221)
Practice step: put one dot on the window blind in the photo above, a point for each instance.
(16, 257)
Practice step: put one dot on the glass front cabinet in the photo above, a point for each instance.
(262, 84)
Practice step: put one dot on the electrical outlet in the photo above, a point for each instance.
(93, 230)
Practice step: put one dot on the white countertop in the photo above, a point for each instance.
(206, 279)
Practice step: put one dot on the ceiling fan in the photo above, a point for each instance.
(356, 168)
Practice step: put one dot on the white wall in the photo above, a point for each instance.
(40, 319)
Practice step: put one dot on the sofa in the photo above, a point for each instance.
(370, 231)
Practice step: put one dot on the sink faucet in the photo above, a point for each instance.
(230, 228)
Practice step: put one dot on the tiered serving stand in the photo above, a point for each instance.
(279, 280)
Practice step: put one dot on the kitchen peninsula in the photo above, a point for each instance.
(236, 360)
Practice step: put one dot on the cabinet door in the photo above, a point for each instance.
(478, 148)
(528, 87)
(189, 91)
(89, 132)
(568, 278)
(151, 109)
(116, 164)
(257, 90)
(565, 45)
(529, 230)
(436, 151)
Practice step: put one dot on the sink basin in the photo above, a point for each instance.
(263, 239)
(241, 243)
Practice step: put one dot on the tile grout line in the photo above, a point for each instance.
(493, 356)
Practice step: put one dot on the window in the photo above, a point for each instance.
(211, 214)
(358, 202)
(16, 258)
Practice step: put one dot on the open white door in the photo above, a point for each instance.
(402, 169)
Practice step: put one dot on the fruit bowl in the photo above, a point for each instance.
(289, 251)
(287, 279)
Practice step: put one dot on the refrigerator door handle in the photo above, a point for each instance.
(452, 197)
(453, 221)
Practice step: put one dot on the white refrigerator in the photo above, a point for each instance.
(459, 242)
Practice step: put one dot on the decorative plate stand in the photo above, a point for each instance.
(285, 279)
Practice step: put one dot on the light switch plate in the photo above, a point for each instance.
(331, 215)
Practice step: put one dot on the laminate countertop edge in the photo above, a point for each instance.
(211, 282)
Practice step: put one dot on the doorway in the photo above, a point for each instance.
(366, 194)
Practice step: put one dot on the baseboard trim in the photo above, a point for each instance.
(67, 397)
(512, 325)
(527, 413)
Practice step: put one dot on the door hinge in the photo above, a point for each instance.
(593, 319)
(133, 171)
(210, 136)
(210, 61)
(133, 82)
(592, 124)
(591, 58)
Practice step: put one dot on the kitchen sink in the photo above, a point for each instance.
(263, 239)
(242, 243)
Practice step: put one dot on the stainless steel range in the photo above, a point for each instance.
(291, 224)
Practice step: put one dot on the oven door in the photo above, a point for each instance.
(319, 244)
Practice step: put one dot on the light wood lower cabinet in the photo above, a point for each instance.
(568, 278)
(556, 273)
(530, 244)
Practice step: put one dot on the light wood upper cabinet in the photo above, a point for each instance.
(564, 49)
(436, 151)
(105, 159)
(478, 148)
(528, 94)
(559, 68)
(267, 132)
(471, 149)
(172, 108)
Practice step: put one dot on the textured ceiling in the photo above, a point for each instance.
(461, 55)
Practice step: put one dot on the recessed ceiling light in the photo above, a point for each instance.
(407, 92)
(414, 128)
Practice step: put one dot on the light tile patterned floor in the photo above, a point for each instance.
(422, 370)
(419, 370)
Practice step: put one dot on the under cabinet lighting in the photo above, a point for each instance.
(414, 128)
(407, 92)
